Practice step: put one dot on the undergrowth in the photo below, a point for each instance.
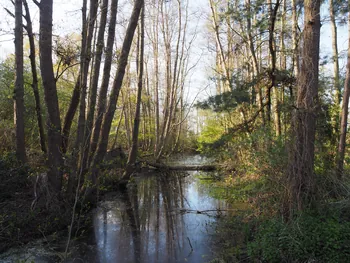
(255, 168)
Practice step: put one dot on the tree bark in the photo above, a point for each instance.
(94, 84)
(88, 32)
(272, 44)
(273, 16)
(55, 160)
(295, 39)
(19, 85)
(101, 106)
(68, 120)
(301, 169)
(255, 61)
(336, 83)
(135, 133)
(155, 44)
(32, 57)
(117, 84)
(344, 112)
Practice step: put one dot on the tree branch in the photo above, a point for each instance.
(9, 12)
(37, 3)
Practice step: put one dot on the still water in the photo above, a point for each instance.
(163, 217)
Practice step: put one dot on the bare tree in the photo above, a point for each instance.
(101, 106)
(19, 85)
(55, 160)
(117, 84)
(32, 57)
(344, 112)
(94, 82)
(135, 132)
(336, 78)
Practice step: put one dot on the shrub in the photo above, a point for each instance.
(322, 238)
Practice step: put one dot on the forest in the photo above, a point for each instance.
(174, 131)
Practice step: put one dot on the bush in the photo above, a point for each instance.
(13, 176)
(309, 237)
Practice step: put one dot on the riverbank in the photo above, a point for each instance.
(261, 232)
(21, 223)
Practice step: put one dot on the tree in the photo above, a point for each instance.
(344, 111)
(112, 103)
(135, 132)
(336, 83)
(101, 106)
(19, 85)
(301, 167)
(55, 160)
(32, 57)
(94, 83)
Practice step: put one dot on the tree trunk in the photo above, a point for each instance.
(19, 85)
(301, 169)
(94, 84)
(255, 62)
(336, 83)
(55, 160)
(295, 39)
(35, 88)
(101, 106)
(112, 104)
(135, 132)
(228, 79)
(344, 112)
(68, 120)
(88, 32)
(273, 16)
(272, 44)
(156, 83)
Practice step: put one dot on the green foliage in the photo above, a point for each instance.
(311, 236)
(210, 134)
(226, 101)
(7, 79)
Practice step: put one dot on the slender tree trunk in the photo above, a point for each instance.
(336, 83)
(35, 88)
(272, 44)
(19, 85)
(55, 160)
(112, 104)
(258, 90)
(283, 66)
(301, 169)
(94, 83)
(156, 82)
(344, 112)
(135, 132)
(228, 79)
(88, 32)
(295, 39)
(68, 120)
(85, 57)
(101, 106)
(273, 17)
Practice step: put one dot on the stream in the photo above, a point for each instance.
(161, 218)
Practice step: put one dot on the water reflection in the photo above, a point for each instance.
(158, 219)
(161, 218)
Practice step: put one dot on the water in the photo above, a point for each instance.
(161, 218)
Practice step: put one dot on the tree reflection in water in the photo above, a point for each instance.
(148, 224)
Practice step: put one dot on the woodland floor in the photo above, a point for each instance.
(19, 224)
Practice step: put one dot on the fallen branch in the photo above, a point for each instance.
(162, 166)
